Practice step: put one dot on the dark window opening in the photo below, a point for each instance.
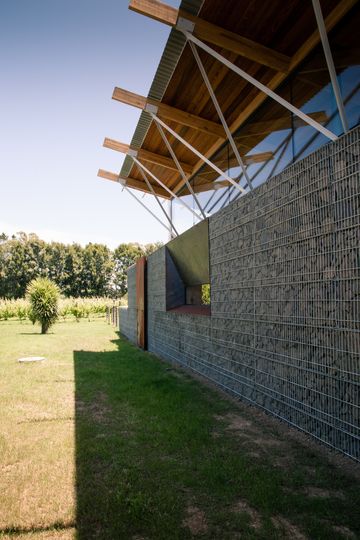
(198, 295)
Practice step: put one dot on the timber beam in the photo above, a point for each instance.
(334, 17)
(145, 155)
(211, 33)
(170, 113)
(132, 183)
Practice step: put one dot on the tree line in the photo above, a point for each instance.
(93, 270)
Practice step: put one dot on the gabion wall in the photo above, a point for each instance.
(285, 323)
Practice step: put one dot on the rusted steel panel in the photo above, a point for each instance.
(141, 301)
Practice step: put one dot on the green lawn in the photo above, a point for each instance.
(104, 441)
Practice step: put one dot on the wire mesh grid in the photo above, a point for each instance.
(285, 268)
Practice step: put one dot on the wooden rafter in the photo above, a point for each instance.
(145, 155)
(107, 175)
(342, 8)
(213, 34)
(133, 183)
(170, 113)
(155, 10)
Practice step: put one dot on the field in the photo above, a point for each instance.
(78, 308)
(104, 441)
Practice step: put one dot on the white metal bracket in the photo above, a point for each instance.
(132, 152)
(149, 108)
(184, 25)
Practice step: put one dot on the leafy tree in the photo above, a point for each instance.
(124, 256)
(44, 296)
(150, 248)
(21, 260)
(97, 270)
(55, 257)
(79, 271)
(85, 271)
(72, 282)
(205, 293)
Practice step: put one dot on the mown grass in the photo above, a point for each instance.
(105, 441)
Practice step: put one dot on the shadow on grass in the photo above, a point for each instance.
(35, 334)
(53, 527)
(128, 450)
(149, 466)
(105, 461)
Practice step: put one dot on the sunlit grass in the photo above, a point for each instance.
(104, 441)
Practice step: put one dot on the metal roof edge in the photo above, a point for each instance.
(168, 62)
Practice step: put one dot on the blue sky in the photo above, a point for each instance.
(60, 60)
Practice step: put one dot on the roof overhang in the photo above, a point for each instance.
(240, 32)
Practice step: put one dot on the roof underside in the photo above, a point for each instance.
(283, 27)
